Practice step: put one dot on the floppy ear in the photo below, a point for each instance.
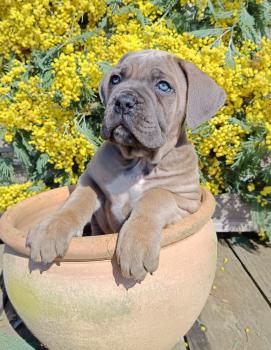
(123, 58)
(204, 96)
(102, 88)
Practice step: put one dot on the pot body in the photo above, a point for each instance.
(88, 305)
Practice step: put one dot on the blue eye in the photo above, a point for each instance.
(164, 86)
(115, 79)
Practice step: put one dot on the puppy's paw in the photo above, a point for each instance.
(137, 251)
(51, 237)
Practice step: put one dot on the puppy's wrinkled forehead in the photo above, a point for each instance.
(148, 65)
(162, 76)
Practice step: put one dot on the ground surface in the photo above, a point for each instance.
(237, 315)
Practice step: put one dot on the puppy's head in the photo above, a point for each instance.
(148, 94)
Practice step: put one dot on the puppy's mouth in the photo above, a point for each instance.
(123, 136)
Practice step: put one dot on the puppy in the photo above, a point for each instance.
(145, 176)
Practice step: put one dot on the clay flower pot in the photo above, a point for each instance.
(83, 302)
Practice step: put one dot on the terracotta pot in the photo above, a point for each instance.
(83, 302)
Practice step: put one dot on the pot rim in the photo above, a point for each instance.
(102, 247)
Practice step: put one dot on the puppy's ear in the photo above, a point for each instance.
(123, 58)
(204, 96)
(103, 88)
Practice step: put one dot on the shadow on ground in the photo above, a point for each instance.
(247, 240)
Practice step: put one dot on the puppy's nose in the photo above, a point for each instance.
(124, 103)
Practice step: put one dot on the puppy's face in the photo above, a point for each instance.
(143, 93)
(147, 95)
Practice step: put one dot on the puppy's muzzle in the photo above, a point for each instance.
(123, 136)
(131, 120)
(125, 103)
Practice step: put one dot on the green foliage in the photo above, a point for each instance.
(262, 16)
(261, 218)
(252, 22)
(201, 33)
(252, 165)
(183, 18)
(21, 151)
(84, 126)
(6, 170)
(246, 24)
(36, 165)
(41, 163)
(117, 7)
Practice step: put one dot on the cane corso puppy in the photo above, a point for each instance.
(145, 176)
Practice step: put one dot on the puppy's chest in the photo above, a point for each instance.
(123, 192)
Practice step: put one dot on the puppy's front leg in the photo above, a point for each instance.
(139, 239)
(51, 237)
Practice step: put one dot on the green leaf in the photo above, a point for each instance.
(230, 54)
(47, 79)
(131, 8)
(84, 36)
(37, 187)
(262, 16)
(41, 163)
(2, 132)
(247, 25)
(224, 14)
(216, 43)
(25, 76)
(87, 132)
(58, 96)
(204, 130)
(211, 7)
(103, 23)
(243, 124)
(6, 169)
(207, 32)
(24, 140)
(37, 59)
(141, 19)
(261, 218)
(50, 54)
(104, 66)
(21, 153)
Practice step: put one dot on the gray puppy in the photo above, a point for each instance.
(146, 175)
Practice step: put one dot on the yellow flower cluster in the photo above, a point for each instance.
(214, 181)
(148, 9)
(266, 191)
(13, 194)
(52, 128)
(268, 137)
(262, 235)
(41, 24)
(251, 187)
(73, 70)
(7, 79)
(66, 79)
(224, 141)
(233, 7)
(90, 71)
